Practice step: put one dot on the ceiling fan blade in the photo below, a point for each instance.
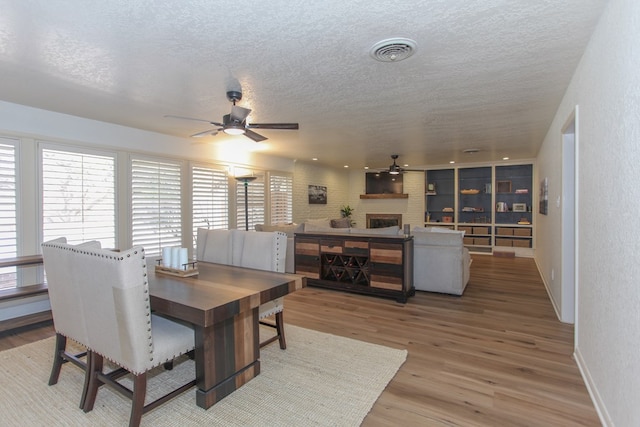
(283, 126)
(205, 133)
(255, 136)
(192, 118)
(239, 114)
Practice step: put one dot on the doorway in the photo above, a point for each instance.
(569, 218)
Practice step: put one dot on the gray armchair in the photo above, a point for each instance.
(441, 262)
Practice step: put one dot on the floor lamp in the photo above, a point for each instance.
(246, 180)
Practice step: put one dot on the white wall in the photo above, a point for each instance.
(606, 87)
(337, 183)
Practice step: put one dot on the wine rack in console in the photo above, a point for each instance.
(368, 264)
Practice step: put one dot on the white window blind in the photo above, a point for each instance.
(281, 191)
(8, 224)
(255, 201)
(78, 196)
(155, 205)
(210, 198)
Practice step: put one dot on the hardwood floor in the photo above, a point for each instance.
(497, 356)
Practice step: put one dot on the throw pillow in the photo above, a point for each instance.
(341, 223)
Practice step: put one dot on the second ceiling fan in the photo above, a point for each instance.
(395, 169)
(235, 123)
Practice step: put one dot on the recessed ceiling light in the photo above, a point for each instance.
(366, 167)
(314, 159)
(505, 158)
(471, 150)
(452, 162)
(346, 166)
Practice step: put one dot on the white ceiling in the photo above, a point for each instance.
(487, 74)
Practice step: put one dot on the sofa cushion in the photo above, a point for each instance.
(446, 230)
(393, 230)
(321, 222)
(438, 239)
(288, 229)
(312, 228)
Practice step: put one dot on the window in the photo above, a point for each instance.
(254, 201)
(78, 196)
(281, 193)
(210, 198)
(155, 205)
(8, 226)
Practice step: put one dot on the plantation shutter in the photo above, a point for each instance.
(255, 199)
(156, 214)
(78, 196)
(210, 198)
(8, 226)
(281, 191)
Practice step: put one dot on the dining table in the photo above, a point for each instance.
(221, 302)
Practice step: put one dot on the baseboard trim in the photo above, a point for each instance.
(601, 409)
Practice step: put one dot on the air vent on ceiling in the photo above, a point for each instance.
(470, 151)
(393, 50)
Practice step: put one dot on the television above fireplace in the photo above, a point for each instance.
(383, 183)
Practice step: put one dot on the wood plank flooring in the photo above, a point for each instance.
(497, 356)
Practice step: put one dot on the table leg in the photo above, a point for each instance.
(226, 356)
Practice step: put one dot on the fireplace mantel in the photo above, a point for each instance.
(384, 196)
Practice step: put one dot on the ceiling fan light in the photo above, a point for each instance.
(394, 172)
(234, 130)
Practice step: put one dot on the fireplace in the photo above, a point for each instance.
(384, 220)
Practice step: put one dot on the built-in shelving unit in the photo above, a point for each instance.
(492, 204)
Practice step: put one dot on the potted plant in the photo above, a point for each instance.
(346, 212)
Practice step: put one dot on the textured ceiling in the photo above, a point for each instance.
(487, 74)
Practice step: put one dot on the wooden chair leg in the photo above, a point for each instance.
(58, 360)
(94, 368)
(137, 404)
(280, 329)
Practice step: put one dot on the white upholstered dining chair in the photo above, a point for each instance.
(113, 293)
(66, 309)
(260, 250)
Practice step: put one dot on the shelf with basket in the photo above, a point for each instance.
(440, 196)
(514, 188)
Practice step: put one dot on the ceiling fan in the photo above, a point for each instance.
(235, 123)
(395, 169)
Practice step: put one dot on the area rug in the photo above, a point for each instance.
(319, 380)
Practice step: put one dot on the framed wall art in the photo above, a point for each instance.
(544, 196)
(317, 195)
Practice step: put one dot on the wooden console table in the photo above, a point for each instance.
(368, 264)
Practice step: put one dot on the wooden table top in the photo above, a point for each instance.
(218, 292)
